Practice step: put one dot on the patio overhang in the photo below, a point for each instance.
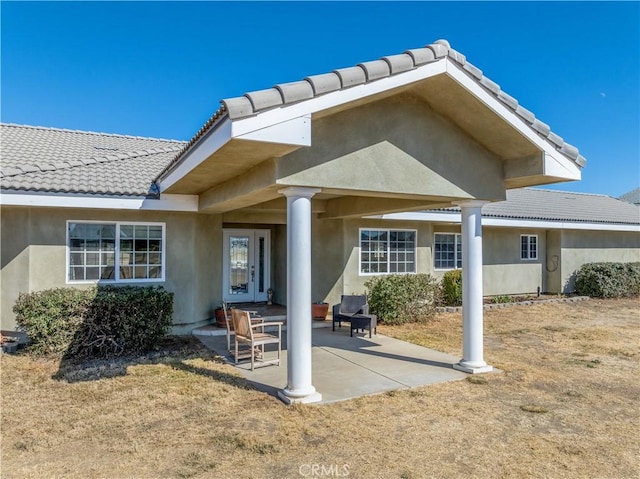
(242, 162)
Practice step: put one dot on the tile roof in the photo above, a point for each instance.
(550, 205)
(69, 161)
(632, 196)
(284, 94)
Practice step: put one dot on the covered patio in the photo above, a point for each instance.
(345, 367)
(424, 129)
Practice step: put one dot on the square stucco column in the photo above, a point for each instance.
(472, 304)
(299, 388)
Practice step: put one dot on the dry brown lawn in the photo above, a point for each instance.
(566, 405)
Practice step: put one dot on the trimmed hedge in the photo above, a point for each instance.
(452, 288)
(98, 322)
(608, 280)
(403, 298)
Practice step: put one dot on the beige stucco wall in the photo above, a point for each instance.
(580, 247)
(34, 256)
(398, 145)
(553, 263)
(504, 272)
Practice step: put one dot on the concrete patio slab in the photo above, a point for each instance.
(346, 367)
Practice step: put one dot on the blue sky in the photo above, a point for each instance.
(159, 69)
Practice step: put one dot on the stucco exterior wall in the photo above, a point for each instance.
(504, 272)
(580, 247)
(553, 263)
(34, 256)
(353, 150)
(14, 260)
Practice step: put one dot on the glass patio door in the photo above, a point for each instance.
(246, 265)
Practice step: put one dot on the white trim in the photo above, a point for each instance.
(186, 203)
(117, 279)
(455, 242)
(528, 258)
(296, 131)
(388, 230)
(509, 223)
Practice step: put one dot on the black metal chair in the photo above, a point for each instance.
(354, 309)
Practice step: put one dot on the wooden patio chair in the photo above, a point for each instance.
(255, 319)
(253, 335)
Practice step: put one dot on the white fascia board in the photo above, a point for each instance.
(557, 225)
(329, 100)
(510, 117)
(203, 149)
(555, 165)
(186, 203)
(418, 216)
(296, 131)
(509, 223)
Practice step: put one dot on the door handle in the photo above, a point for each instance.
(253, 273)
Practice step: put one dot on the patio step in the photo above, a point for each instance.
(213, 330)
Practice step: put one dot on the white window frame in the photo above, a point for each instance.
(117, 279)
(455, 242)
(388, 230)
(529, 257)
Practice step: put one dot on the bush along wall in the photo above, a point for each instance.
(608, 280)
(398, 299)
(452, 288)
(100, 322)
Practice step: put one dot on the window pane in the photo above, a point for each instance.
(155, 232)
(126, 272)
(93, 273)
(108, 231)
(126, 231)
(108, 272)
(140, 244)
(77, 274)
(88, 243)
(126, 245)
(155, 272)
(141, 231)
(140, 272)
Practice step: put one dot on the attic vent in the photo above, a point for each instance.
(108, 148)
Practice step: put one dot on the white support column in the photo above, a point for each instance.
(472, 305)
(299, 388)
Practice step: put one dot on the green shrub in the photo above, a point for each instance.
(501, 299)
(403, 298)
(94, 323)
(608, 280)
(452, 288)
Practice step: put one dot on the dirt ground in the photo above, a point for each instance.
(565, 406)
